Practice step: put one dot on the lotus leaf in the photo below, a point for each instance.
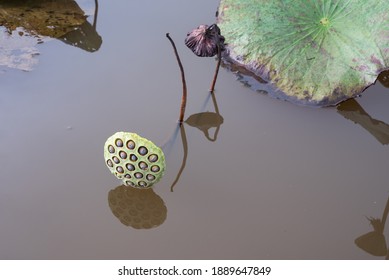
(314, 52)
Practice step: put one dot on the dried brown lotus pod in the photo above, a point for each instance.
(205, 40)
(137, 208)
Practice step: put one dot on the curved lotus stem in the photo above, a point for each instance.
(95, 15)
(184, 90)
(219, 58)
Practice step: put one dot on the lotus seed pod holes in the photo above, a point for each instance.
(133, 159)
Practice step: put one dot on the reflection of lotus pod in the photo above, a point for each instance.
(140, 209)
(135, 160)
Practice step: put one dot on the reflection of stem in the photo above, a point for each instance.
(96, 12)
(385, 214)
(217, 112)
(207, 120)
(214, 136)
(351, 110)
(185, 147)
(215, 104)
(217, 67)
(184, 91)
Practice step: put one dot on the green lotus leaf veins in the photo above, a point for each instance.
(314, 52)
(135, 160)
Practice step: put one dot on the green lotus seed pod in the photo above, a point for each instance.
(135, 160)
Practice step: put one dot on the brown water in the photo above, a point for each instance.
(279, 182)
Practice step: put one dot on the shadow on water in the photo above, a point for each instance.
(207, 120)
(85, 36)
(353, 111)
(374, 241)
(137, 208)
(203, 121)
(184, 158)
(26, 24)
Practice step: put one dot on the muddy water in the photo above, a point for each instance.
(280, 181)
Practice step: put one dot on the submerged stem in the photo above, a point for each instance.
(184, 90)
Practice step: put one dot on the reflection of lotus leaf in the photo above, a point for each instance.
(44, 17)
(140, 209)
(316, 52)
(84, 37)
(135, 160)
